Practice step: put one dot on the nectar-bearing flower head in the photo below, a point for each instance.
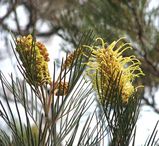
(34, 57)
(107, 64)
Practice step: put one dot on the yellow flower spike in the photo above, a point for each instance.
(61, 89)
(34, 57)
(71, 57)
(108, 62)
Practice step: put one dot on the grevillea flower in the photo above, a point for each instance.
(71, 57)
(34, 57)
(61, 89)
(108, 64)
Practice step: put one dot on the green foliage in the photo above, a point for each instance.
(52, 117)
(135, 19)
(50, 124)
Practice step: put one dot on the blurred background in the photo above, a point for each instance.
(60, 23)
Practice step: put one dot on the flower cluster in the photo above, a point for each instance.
(61, 88)
(107, 64)
(71, 57)
(34, 57)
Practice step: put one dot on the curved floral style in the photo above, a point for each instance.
(34, 57)
(107, 63)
